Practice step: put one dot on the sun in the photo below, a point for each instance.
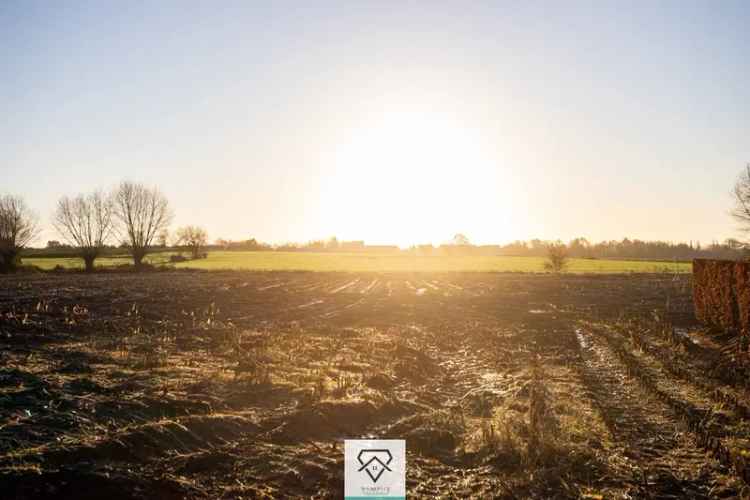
(410, 177)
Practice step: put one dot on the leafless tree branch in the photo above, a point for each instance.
(141, 213)
(741, 197)
(193, 237)
(85, 222)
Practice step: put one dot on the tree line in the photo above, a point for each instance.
(577, 248)
(632, 249)
(139, 217)
(132, 213)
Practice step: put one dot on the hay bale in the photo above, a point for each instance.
(716, 286)
(742, 294)
(699, 289)
(722, 295)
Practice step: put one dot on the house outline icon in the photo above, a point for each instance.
(366, 465)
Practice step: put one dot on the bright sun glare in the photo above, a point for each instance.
(419, 177)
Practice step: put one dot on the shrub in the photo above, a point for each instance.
(194, 238)
(557, 257)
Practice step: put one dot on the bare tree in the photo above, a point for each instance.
(193, 237)
(141, 213)
(557, 257)
(18, 227)
(86, 223)
(162, 239)
(741, 197)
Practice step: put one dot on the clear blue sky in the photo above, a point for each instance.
(391, 122)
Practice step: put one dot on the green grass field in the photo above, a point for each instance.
(48, 263)
(358, 262)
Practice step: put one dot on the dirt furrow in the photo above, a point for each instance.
(715, 429)
(663, 461)
(720, 379)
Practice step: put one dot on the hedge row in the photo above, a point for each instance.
(721, 293)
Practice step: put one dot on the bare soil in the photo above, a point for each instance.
(245, 384)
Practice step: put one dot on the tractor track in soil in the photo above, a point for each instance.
(665, 457)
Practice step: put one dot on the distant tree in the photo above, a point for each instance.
(18, 227)
(256, 246)
(223, 243)
(141, 213)
(86, 223)
(53, 244)
(557, 257)
(315, 245)
(734, 244)
(460, 239)
(193, 237)
(741, 198)
(162, 239)
(288, 247)
(537, 247)
(579, 247)
(332, 243)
